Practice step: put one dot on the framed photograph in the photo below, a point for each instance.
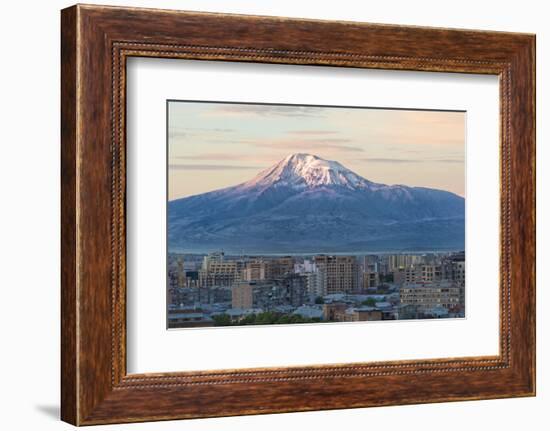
(263, 214)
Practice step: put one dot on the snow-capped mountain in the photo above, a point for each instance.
(307, 204)
(306, 170)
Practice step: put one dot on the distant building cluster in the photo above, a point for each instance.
(220, 290)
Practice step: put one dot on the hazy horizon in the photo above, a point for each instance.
(216, 145)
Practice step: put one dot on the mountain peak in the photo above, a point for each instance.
(301, 157)
(304, 170)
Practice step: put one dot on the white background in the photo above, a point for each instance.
(151, 348)
(29, 224)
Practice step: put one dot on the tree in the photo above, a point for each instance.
(369, 302)
(222, 320)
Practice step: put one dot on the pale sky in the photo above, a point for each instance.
(216, 145)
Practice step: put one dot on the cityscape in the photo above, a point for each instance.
(299, 214)
(221, 290)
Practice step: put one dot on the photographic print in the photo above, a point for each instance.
(289, 214)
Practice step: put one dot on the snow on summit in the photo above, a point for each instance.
(307, 170)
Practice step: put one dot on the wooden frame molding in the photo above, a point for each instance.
(95, 43)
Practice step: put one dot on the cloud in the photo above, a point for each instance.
(312, 132)
(222, 157)
(392, 160)
(187, 167)
(266, 110)
(389, 160)
(402, 128)
(173, 134)
(447, 160)
(177, 132)
(211, 129)
(308, 145)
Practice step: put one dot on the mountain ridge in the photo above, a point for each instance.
(306, 202)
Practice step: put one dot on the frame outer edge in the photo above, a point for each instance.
(533, 53)
(523, 216)
(69, 201)
(532, 82)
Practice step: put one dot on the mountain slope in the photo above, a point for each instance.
(308, 204)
